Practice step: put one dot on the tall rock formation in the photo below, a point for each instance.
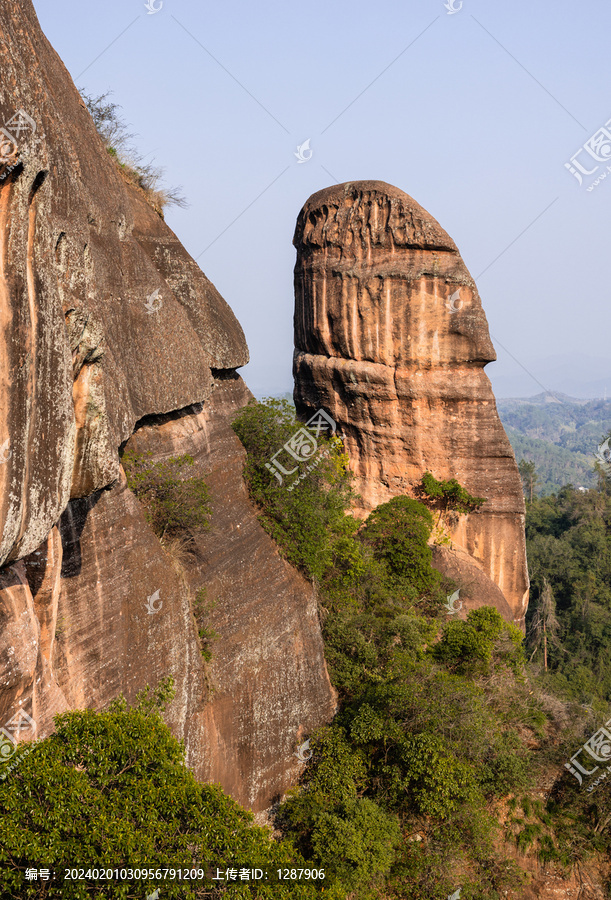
(391, 339)
(109, 332)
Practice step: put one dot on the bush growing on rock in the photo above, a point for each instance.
(175, 505)
(449, 495)
(472, 647)
(398, 532)
(309, 523)
(114, 133)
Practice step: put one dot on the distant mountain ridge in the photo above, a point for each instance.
(559, 433)
(573, 375)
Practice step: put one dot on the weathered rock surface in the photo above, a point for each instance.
(77, 630)
(106, 326)
(391, 339)
(268, 680)
(87, 346)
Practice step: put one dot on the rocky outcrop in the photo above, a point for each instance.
(391, 339)
(109, 332)
(104, 317)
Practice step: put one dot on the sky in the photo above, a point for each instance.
(474, 109)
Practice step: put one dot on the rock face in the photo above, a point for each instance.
(268, 680)
(391, 339)
(110, 332)
(85, 340)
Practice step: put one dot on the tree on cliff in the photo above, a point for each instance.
(175, 504)
(398, 533)
(111, 790)
(305, 511)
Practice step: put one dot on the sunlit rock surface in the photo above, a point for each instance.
(107, 324)
(391, 339)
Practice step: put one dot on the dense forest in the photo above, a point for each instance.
(446, 763)
(559, 434)
(569, 555)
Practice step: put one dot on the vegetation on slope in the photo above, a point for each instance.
(175, 504)
(111, 791)
(446, 758)
(569, 551)
(430, 777)
(395, 800)
(117, 139)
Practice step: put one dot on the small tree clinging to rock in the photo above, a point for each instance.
(175, 505)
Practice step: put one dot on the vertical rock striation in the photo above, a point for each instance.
(392, 340)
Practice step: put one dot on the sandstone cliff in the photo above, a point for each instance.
(109, 332)
(391, 339)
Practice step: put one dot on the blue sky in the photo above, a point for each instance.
(473, 113)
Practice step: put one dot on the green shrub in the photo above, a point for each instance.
(201, 610)
(449, 495)
(397, 532)
(174, 504)
(507, 766)
(351, 837)
(437, 781)
(356, 842)
(110, 790)
(309, 521)
(469, 647)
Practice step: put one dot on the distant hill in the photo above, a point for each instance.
(576, 374)
(560, 434)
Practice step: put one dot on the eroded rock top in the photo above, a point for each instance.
(368, 212)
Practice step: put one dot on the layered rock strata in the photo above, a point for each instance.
(391, 339)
